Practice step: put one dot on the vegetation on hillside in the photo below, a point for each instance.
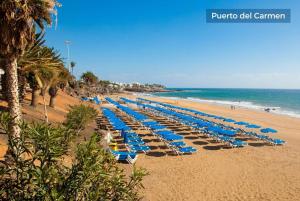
(90, 85)
(89, 78)
(79, 116)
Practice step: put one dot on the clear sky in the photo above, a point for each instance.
(169, 42)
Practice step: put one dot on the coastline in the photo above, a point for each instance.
(225, 103)
(247, 114)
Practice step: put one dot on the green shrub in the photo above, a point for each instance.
(34, 168)
(79, 116)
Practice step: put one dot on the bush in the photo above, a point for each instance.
(34, 169)
(79, 116)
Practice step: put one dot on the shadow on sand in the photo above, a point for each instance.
(153, 147)
(184, 133)
(151, 140)
(258, 144)
(191, 137)
(163, 147)
(200, 143)
(213, 147)
(156, 154)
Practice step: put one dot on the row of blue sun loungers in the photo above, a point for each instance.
(132, 141)
(241, 123)
(172, 140)
(265, 138)
(219, 132)
(247, 125)
(168, 138)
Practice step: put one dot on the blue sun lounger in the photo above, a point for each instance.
(134, 139)
(277, 141)
(139, 148)
(85, 99)
(157, 127)
(177, 144)
(238, 143)
(263, 137)
(136, 143)
(169, 136)
(253, 126)
(130, 157)
(186, 150)
(153, 125)
(225, 139)
(229, 120)
(268, 130)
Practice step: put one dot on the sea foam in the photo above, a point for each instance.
(242, 104)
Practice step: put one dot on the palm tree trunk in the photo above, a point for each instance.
(52, 101)
(34, 97)
(12, 94)
(43, 93)
(53, 93)
(45, 109)
(4, 88)
(22, 86)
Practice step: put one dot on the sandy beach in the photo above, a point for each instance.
(255, 172)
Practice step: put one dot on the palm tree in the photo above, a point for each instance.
(42, 65)
(89, 78)
(43, 77)
(58, 82)
(29, 62)
(18, 21)
(35, 91)
(72, 64)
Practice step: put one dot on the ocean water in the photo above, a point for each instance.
(281, 101)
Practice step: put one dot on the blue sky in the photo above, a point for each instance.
(169, 42)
